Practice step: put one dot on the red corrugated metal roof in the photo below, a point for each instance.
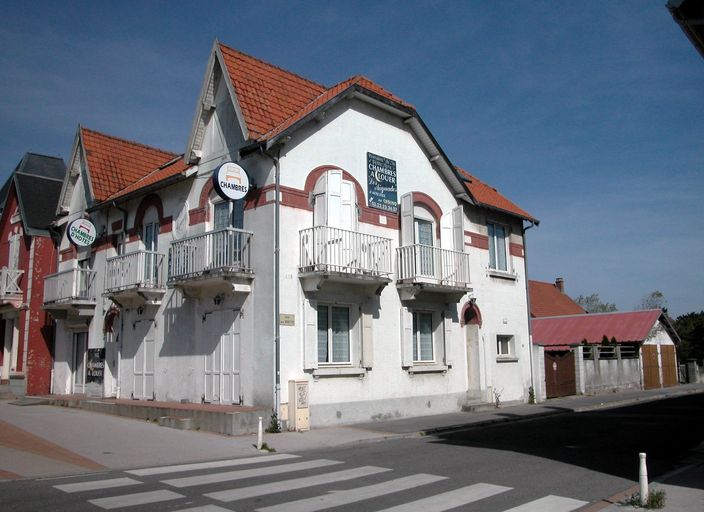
(547, 300)
(486, 195)
(626, 327)
(115, 164)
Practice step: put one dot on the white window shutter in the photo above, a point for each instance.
(406, 338)
(407, 227)
(367, 339)
(310, 343)
(446, 234)
(448, 333)
(458, 228)
(348, 210)
(334, 198)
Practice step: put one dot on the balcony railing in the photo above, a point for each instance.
(140, 269)
(10, 282)
(326, 249)
(423, 263)
(69, 286)
(224, 250)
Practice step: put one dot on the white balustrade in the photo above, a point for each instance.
(68, 285)
(339, 250)
(226, 249)
(427, 263)
(10, 281)
(139, 269)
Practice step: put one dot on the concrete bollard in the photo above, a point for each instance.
(259, 434)
(643, 480)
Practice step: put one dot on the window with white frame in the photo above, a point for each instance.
(498, 237)
(423, 337)
(333, 334)
(504, 346)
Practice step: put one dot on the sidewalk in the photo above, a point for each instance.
(42, 440)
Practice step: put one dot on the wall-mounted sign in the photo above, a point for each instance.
(95, 365)
(81, 232)
(231, 181)
(381, 181)
(288, 320)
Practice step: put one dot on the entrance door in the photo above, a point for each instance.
(669, 365)
(560, 377)
(78, 370)
(424, 238)
(651, 367)
(222, 365)
(151, 237)
(144, 370)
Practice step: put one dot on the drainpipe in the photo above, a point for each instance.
(118, 386)
(530, 330)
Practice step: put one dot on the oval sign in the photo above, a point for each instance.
(231, 181)
(81, 232)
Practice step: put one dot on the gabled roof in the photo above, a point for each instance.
(117, 166)
(488, 196)
(37, 181)
(626, 327)
(547, 300)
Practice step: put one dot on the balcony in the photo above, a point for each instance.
(135, 279)
(212, 263)
(333, 255)
(70, 293)
(11, 295)
(422, 268)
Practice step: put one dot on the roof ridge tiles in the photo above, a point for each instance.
(268, 64)
(128, 141)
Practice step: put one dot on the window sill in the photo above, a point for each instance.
(502, 274)
(339, 372)
(507, 359)
(428, 368)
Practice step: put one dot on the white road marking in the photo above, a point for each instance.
(451, 499)
(204, 508)
(248, 473)
(94, 485)
(293, 484)
(338, 498)
(550, 503)
(161, 470)
(131, 500)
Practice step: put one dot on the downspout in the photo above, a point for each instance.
(27, 313)
(118, 384)
(530, 330)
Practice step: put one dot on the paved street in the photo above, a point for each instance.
(555, 463)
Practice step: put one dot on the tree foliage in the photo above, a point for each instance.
(653, 300)
(593, 304)
(690, 327)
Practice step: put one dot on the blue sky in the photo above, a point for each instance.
(590, 115)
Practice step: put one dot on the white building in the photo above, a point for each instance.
(386, 280)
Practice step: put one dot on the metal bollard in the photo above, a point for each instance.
(259, 434)
(643, 480)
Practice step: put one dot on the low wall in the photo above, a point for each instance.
(611, 374)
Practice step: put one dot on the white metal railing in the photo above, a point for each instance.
(139, 269)
(443, 266)
(68, 285)
(339, 250)
(10, 281)
(224, 249)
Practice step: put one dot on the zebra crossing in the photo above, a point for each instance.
(315, 478)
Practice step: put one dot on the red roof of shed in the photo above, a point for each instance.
(563, 331)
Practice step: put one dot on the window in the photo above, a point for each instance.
(504, 346)
(333, 334)
(497, 247)
(422, 337)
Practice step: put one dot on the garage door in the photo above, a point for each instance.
(651, 368)
(669, 365)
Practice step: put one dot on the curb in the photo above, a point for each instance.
(493, 421)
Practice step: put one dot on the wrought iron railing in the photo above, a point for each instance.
(69, 285)
(424, 262)
(227, 249)
(339, 250)
(10, 281)
(139, 269)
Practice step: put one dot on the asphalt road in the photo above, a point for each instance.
(577, 458)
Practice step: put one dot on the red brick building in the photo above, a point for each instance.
(27, 254)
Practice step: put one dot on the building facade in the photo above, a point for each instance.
(363, 276)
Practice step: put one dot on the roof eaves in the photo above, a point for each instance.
(117, 198)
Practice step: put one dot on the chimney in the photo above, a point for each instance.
(560, 284)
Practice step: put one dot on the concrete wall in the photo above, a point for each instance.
(601, 375)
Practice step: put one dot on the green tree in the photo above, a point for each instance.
(690, 327)
(593, 304)
(653, 300)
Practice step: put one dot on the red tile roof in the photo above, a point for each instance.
(563, 331)
(116, 165)
(547, 300)
(489, 196)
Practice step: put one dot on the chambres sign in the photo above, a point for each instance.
(381, 183)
